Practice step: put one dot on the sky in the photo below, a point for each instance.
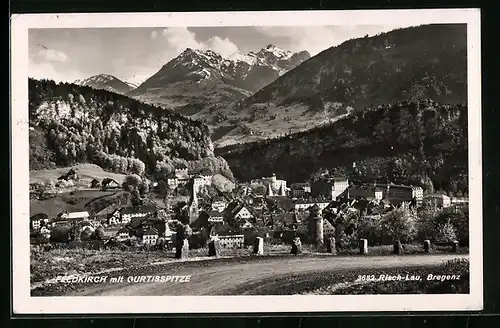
(134, 54)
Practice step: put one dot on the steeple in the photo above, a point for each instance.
(269, 190)
(194, 196)
(282, 191)
(193, 207)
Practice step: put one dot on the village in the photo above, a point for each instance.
(265, 208)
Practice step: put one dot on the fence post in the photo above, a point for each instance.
(296, 246)
(331, 246)
(214, 247)
(363, 246)
(427, 246)
(258, 247)
(398, 248)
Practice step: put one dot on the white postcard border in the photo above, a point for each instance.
(23, 303)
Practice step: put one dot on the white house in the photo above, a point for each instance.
(438, 200)
(123, 234)
(150, 237)
(305, 204)
(219, 204)
(215, 217)
(275, 183)
(243, 213)
(127, 213)
(75, 215)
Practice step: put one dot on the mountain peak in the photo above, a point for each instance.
(106, 82)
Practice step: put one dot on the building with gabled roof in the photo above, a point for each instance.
(304, 204)
(127, 213)
(123, 234)
(150, 236)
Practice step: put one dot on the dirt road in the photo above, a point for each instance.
(269, 275)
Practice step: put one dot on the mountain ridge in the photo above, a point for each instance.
(106, 82)
(71, 124)
(198, 79)
(407, 64)
(420, 143)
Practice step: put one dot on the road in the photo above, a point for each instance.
(258, 276)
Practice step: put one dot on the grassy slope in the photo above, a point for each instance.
(87, 173)
(92, 201)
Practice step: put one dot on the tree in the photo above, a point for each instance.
(132, 180)
(446, 233)
(143, 188)
(99, 233)
(398, 225)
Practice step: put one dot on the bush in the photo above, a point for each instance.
(399, 224)
(446, 233)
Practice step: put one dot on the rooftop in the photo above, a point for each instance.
(138, 209)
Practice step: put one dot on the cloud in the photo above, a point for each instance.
(48, 71)
(53, 55)
(318, 38)
(179, 38)
(223, 46)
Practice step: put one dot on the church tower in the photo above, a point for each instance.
(194, 206)
(282, 190)
(269, 190)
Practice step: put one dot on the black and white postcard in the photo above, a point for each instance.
(244, 162)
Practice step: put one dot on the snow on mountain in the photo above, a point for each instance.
(131, 85)
(250, 71)
(106, 82)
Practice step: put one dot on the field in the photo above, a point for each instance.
(275, 121)
(87, 173)
(80, 200)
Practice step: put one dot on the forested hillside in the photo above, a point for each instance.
(422, 143)
(72, 124)
(410, 64)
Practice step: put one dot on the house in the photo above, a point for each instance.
(279, 204)
(368, 192)
(127, 213)
(199, 181)
(104, 214)
(45, 231)
(37, 221)
(330, 188)
(172, 181)
(113, 219)
(242, 213)
(300, 190)
(459, 201)
(69, 217)
(302, 204)
(181, 172)
(397, 194)
(219, 204)
(206, 175)
(438, 200)
(276, 184)
(150, 237)
(214, 216)
(123, 234)
(148, 223)
(95, 184)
